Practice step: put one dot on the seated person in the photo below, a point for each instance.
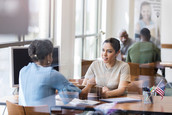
(126, 42)
(144, 51)
(38, 81)
(111, 74)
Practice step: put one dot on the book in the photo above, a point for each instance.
(121, 100)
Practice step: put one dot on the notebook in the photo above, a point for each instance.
(121, 100)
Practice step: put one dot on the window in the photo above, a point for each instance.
(39, 23)
(88, 31)
(40, 19)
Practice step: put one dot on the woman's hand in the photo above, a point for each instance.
(91, 82)
(105, 91)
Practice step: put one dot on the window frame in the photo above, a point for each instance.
(97, 35)
(21, 39)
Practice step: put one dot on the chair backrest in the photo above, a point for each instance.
(134, 69)
(148, 69)
(141, 74)
(135, 87)
(85, 65)
(37, 110)
(15, 109)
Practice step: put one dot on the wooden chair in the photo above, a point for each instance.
(37, 110)
(141, 75)
(134, 69)
(15, 109)
(135, 87)
(149, 69)
(85, 64)
(143, 69)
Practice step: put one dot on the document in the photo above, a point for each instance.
(76, 101)
(121, 100)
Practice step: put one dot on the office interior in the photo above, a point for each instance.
(61, 22)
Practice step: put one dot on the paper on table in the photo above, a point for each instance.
(76, 101)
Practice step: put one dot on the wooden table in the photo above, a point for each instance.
(159, 106)
(163, 65)
(166, 64)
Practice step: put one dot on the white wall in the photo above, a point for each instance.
(120, 15)
(44, 19)
(65, 36)
(166, 24)
(109, 18)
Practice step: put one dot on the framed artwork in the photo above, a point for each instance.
(147, 15)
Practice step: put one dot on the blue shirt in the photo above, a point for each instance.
(37, 85)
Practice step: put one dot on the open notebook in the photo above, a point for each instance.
(121, 100)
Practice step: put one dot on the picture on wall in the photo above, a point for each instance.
(147, 15)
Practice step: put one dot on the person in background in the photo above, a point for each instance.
(126, 42)
(110, 74)
(144, 51)
(38, 80)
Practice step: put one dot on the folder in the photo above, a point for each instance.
(121, 100)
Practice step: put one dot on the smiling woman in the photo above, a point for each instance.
(109, 73)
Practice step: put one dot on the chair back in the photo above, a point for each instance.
(37, 110)
(85, 65)
(141, 75)
(149, 69)
(134, 71)
(15, 109)
(135, 87)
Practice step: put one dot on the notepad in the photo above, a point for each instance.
(121, 100)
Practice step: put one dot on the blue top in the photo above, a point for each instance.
(143, 24)
(37, 85)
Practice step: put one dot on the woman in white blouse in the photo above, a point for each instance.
(109, 73)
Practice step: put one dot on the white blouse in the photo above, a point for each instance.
(109, 77)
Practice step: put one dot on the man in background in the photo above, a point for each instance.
(126, 42)
(144, 51)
